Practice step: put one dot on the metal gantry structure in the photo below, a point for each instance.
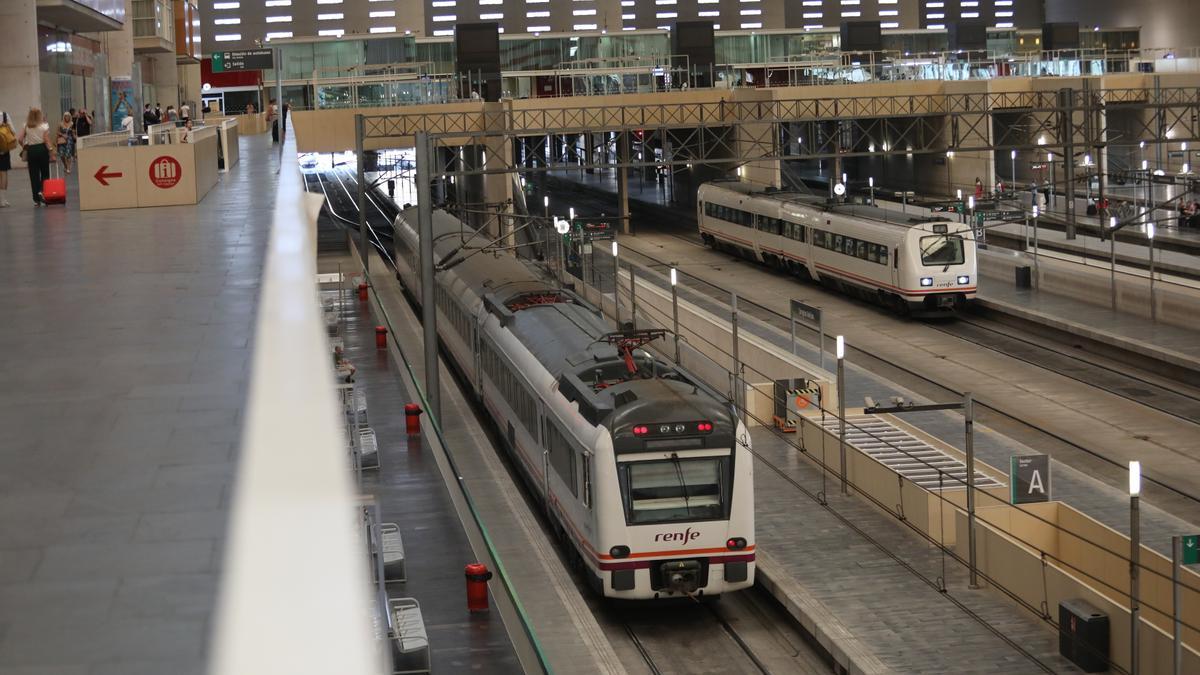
(528, 140)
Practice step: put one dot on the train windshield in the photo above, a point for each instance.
(664, 491)
(942, 249)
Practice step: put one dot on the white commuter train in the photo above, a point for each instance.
(646, 472)
(914, 265)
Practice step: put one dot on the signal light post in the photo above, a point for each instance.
(616, 286)
(675, 310)
(1135, 545)
(841, 385)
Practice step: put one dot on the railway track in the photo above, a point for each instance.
(1172, 497)
(744, 633)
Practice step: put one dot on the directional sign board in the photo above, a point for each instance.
(1029, 478)
(1191, 549)
(243, 59)
(806, 312)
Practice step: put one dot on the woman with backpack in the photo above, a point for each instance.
(8, 141)
(37, 150)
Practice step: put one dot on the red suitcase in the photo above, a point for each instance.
(54, 190)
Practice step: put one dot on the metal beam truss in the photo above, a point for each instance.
(735, 132)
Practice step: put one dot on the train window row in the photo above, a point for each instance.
(776, 226)
(728, 214)
(562, 457)
(512, 390)
(459, 319)
(857, 248)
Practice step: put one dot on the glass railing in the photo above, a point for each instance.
(416, 84)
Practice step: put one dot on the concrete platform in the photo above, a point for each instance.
(566, 630)
(410, 492)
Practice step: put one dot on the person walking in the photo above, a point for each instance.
(148, 118)
(37, 151)
(158, 113)
(65, 140)
(273, 119)
(978, 189)
(172, 116)
(185, 113)
(83, 123)
(8, 141)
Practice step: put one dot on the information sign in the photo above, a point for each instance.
(243, 59)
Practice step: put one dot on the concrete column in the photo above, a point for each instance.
(20, 83)
(964, 167)
(189, 84)
(498, 187)
(623, 181)
(757, 140)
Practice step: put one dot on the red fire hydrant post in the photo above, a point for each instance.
(362, 292)
(477, 594)
(412, 418)
(381, 337)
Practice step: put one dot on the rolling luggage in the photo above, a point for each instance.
(54, 189)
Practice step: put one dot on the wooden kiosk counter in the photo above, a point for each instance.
(115, 175)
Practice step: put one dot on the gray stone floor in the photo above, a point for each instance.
(126, 339)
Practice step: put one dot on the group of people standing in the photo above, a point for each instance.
(39, 146)
(157, 115)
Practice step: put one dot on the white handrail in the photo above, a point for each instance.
(294, 593)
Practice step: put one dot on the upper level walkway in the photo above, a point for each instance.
(128, 346)
(333, 130)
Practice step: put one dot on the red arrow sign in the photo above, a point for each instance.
(101, 175)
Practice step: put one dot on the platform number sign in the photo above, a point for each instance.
(1191, 549)
(1029, 479)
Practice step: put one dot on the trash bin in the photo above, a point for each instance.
(1083, 635)
(1024, 276)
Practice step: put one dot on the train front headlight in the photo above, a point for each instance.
(963, 280)
(619, 551)
(735, 543)
(926, 281)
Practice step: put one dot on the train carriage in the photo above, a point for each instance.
(645, 471)
(923, 266)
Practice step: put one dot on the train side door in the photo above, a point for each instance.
(476, 343)
(544, 444)
(896, 268)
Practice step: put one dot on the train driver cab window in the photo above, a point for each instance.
(664, 491)
(942, 249)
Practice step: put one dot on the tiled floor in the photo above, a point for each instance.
(126, 345)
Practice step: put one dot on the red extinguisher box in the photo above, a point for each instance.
(477, 593)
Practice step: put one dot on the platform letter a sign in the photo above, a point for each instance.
(1029, 478)
(1035, 483)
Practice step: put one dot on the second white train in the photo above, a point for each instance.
(920, 266)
